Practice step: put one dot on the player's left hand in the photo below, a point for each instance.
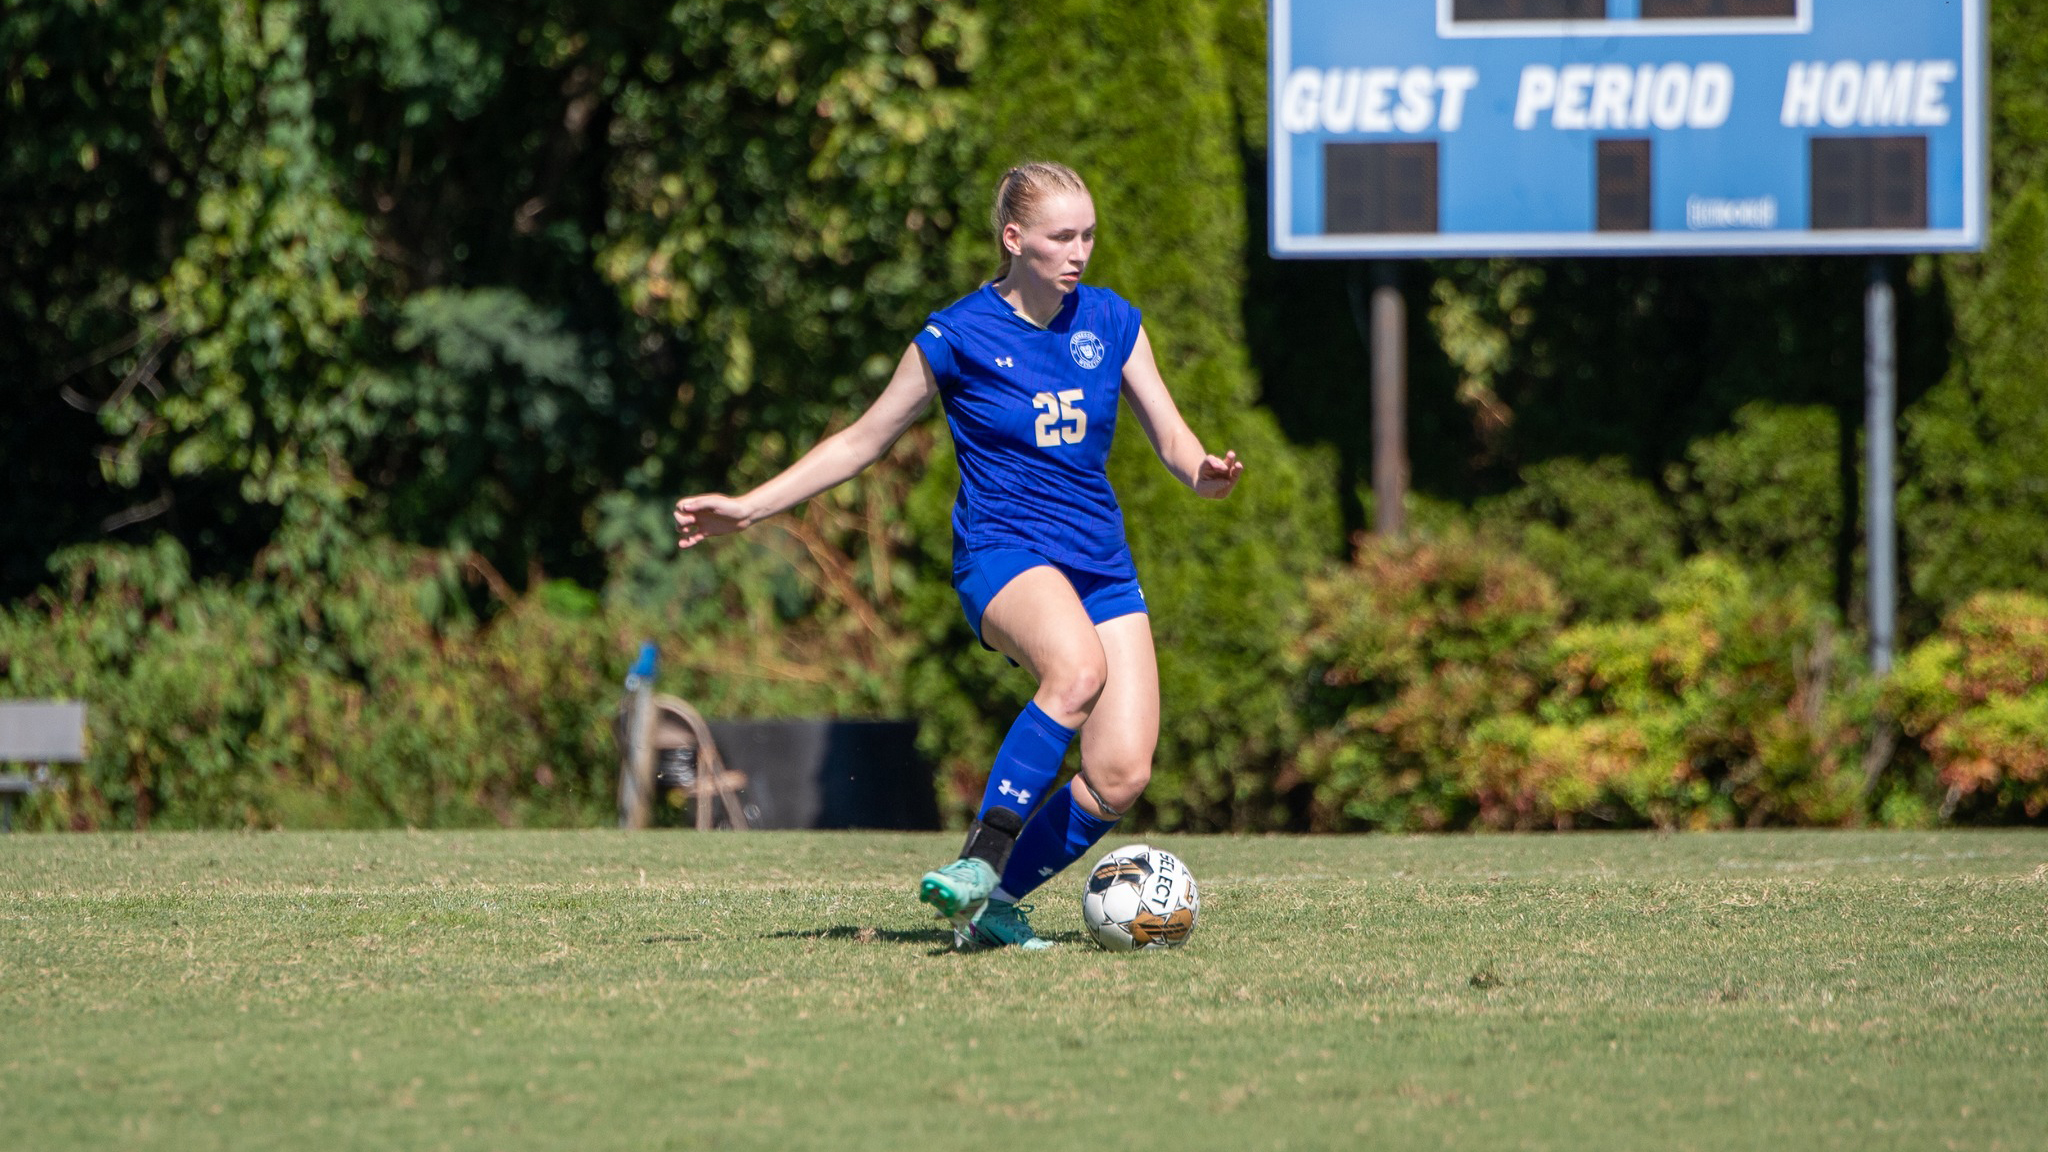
(1218, 475)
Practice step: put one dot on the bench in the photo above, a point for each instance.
(38, 732)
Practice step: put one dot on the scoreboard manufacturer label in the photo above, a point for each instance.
(1588, 127)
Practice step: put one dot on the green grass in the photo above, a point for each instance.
(670, 990)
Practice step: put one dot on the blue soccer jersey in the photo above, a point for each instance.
(1033, 411)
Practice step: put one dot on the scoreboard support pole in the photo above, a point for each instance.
(1389, 401)
(1880, 434)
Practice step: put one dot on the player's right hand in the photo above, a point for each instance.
(713, 514)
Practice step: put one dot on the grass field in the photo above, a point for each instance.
(670, 990)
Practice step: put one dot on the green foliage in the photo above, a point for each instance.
(1444, 689)
(1975, 696)
(124, 125)
(455, 271)
(776, 622)
(175, 675)
(1974, 509)
(1407, 651)
(1605, 537)
(1436, 685)
(783, 180)
(365, 698)
(259, 313)
(496, 419)
(368, 694)
(1763, 494)
(1731, 706)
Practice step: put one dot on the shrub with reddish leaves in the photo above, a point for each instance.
(1975, 697)
(1443, 690)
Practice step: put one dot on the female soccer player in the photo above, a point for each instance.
(1029, 369)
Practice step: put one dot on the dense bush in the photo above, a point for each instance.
(1438, 684)
(1768, 493)
(1976, 698)
(1407, 651)
(1604, 536)
(370, 693)
(1730, 706)
(1445, 688)
(177, 676)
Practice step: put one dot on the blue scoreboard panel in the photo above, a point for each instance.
(1587, 127)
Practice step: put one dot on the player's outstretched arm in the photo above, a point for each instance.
(833, 460)
(1178, 446)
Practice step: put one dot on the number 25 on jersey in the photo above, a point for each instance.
(1059, 420)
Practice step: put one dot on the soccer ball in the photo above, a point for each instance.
(1140, 897)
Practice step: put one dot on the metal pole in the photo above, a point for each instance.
(636, 770)
(1880, 376)
(636, 762)
(1389, 401)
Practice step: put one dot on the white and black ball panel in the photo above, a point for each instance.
(1139, 897)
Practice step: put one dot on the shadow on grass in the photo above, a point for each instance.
(868, 934)
(941, 937)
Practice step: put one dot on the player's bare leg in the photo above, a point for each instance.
(1122, 730)
(1038, 621)
(1117, 742)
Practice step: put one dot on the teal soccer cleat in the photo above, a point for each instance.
(1000, 923)
(959, 889)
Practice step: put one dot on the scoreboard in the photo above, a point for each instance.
(1591, 127)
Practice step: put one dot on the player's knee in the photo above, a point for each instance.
(1130, 783)
(1120, 775)
(1075, 686)
(1121, 763)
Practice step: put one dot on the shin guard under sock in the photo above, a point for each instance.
(1054, 838)
(991, 838)
(1027, 763)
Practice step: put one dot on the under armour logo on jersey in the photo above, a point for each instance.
(1086, 348)
(1006, 361)
(1020, 795)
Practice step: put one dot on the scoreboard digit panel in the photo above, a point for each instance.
(1470, 10)
(1466, 11)
(1585, 127)
(1709, 9)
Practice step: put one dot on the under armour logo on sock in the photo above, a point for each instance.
(1020, 795)
(1047, 872)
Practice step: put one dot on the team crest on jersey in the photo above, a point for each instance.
(1087, 348)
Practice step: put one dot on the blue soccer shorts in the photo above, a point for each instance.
(978, 577)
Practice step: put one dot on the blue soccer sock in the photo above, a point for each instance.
(1028, 762)
(1051, 840)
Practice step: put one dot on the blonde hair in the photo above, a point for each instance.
(1018, 195)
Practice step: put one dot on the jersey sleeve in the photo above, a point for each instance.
(938, 350)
